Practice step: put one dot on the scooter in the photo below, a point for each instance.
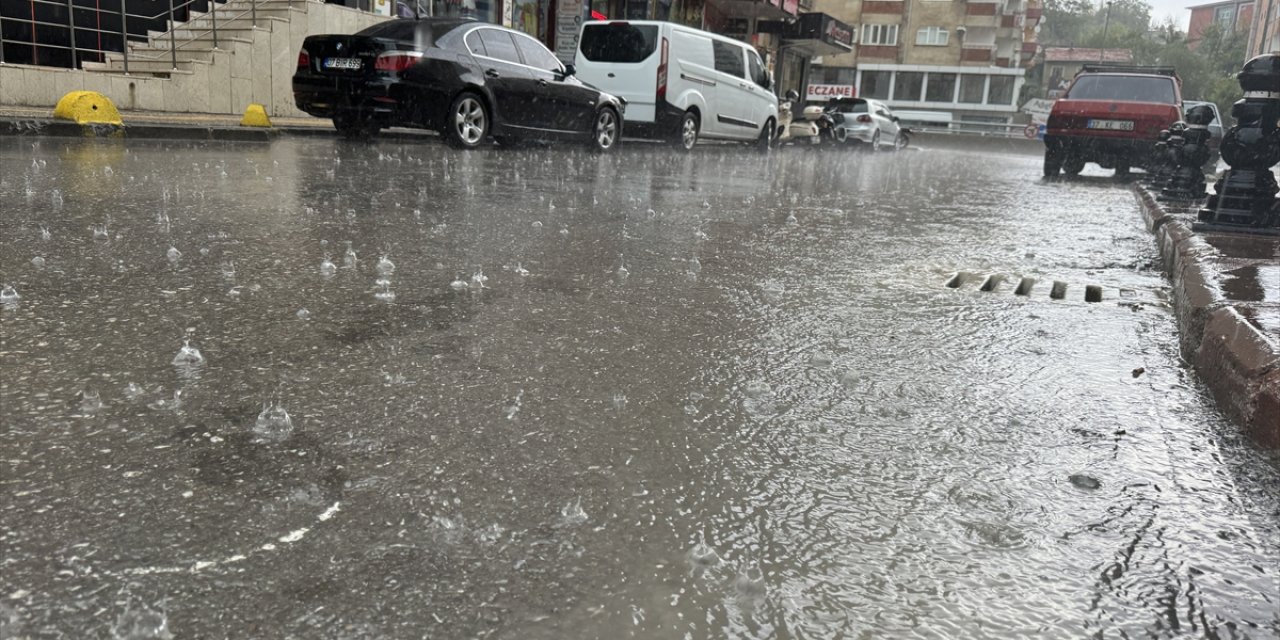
(803, 130)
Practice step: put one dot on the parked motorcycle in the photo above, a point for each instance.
(806, 129)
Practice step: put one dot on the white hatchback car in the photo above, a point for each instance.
(866, 121)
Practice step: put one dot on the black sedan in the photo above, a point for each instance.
(469, 80)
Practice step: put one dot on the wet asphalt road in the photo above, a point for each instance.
(647, 395)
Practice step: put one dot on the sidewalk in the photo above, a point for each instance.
(171, 125)
(1226, 295)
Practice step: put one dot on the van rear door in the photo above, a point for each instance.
(622, 58)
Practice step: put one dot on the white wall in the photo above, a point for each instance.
(241, 74)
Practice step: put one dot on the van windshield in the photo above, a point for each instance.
(618, 42)
(1123, 88)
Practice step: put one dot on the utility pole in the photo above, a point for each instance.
(1106, 22)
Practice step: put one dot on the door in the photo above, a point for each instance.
(622, 58)
(559, 103)
(733, 112)
(507, 79)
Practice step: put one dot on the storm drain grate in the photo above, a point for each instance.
(1058, 289)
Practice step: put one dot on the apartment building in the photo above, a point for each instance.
(1264, 33)
(1235, 15)
(936, 61)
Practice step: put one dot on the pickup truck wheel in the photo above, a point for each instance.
(1052, 162)
(1072, 166)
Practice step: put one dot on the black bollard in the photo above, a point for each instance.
(1244, 198)
(1186, 181)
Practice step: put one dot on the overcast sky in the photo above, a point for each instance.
(1176, 9)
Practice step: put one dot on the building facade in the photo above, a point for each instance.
(936, 61)
(1061, 64)
(1236, 15)
(1264, 33)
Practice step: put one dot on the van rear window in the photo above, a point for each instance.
(1123, 88)
(618, 42)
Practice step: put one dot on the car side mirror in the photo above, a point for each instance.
(569, 70)
(765, 81)
(793, 95)
(896, 120)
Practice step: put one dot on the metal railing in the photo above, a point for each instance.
(51, 29)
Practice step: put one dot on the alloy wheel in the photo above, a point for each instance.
(606, 129)
(469, 121)
(689, 132)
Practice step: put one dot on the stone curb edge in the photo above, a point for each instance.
(60, 128)
(1238, 363)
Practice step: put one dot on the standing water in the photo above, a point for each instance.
(812, 438)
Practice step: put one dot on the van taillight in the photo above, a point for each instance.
(662, 72)
(304, 59)
(397, 61)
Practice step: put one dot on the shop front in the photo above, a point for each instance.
(813, 34)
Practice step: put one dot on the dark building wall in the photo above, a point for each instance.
(39, 32)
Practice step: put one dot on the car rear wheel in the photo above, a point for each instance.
(606, 131)
(1122, 169)
(468, 121)
(900, 142)
(875, 140)
(689, 127)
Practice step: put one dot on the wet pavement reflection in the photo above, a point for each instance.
(319, 389)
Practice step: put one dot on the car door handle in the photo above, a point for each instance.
(611, 74)
(542, 82)
(492, 73)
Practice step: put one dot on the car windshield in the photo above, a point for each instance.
(619, 42)
(1123, 88)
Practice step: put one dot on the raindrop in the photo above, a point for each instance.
(791, 219)
(772, 290)
(564, 231)
(750, 581)
(229, 270)
(385, 267)
(188, 355)
(303, 314)
(572, 513)
(702, 557)
(349, 258)
(383, 290)
(327, 267)
(100, 232)
(478, 278)
(90, 401)
(9, 296)
(133, 391)
(141, 623)
(273, 423)
(45, 235)
(758, 389)
(820, 360)
(168, 404)
(619, 401)
(56, 197)
(694, 266)
(520, 270)
(37, 262)
(173, 254)
(622, 268)
(458, 285)
(537, 225)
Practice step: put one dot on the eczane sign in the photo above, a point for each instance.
(820, 92)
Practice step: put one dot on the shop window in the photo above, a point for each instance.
(875, 85)
(1001, 91)
(941, 88)
(482, 10)
(908, 86)
(972, 88)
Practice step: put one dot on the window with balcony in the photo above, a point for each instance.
(971, 88)
(941, 88)
(875, 85)
(1224, 16)
(908, 87)
(880, 34)
(1001, 91)
(932, 37)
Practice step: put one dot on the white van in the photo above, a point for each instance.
(680, 84)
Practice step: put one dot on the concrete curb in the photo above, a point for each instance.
(195, 132)
(1237, 362)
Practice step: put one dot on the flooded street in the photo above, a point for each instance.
(544, 394)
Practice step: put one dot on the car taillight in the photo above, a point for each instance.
(304, 59)
(662, 72)
(864, 119)
(396, 61)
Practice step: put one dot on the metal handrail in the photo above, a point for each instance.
(169, 15)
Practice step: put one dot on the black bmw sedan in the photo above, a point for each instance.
(468, 80)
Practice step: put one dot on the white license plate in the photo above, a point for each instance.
(1113, 125)
(342, 63)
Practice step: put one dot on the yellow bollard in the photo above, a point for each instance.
(87, 107)
(255, 116)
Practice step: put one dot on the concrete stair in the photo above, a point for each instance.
(193, 40)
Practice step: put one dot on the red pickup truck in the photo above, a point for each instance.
(1111, 115)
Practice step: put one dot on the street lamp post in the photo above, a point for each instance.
(1106, 22)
